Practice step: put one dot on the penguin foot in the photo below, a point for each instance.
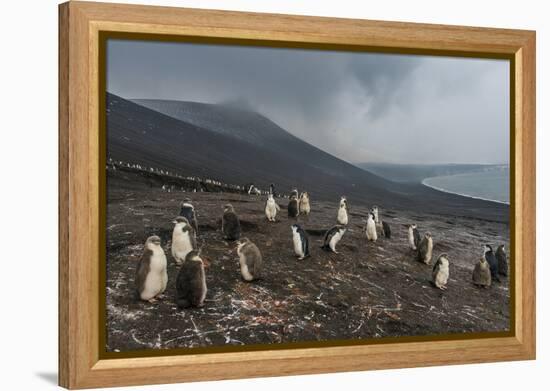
(183, 303)
(152, 301)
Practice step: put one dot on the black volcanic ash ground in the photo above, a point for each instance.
(369, 290)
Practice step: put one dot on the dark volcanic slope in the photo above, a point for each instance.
(237, 146)
(238, 123)
(144, 136)
(299, 159)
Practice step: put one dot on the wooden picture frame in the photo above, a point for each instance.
(81, 24)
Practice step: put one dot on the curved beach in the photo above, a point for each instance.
(474, 185)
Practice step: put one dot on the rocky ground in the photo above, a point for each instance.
(369, 290)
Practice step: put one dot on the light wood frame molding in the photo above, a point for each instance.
(80, 24)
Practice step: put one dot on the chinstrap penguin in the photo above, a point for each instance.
(440, 272)
(191, 282)
(271, 208)
(425, 249)
(374, 211)
(300, 242)
(187, 210)
(304, 205)
(386, 230)
(183, 239)
(342, 217)
(492, 260)
(370, 228)
(231, 226)
(481, 275)
(502, 260)
(250, 260)
(413, 236)
(293, 207)
(332, 237)
(151, 273)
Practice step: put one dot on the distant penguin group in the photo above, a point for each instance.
(423, 247)
(381, 226)
(490, 266)
(488, 269)
(151, 273)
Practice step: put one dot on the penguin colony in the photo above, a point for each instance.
(151, 277)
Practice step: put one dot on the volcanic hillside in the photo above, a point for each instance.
(238, 146)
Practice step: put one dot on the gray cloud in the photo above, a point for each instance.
(357, 106)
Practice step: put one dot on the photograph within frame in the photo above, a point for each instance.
(126, 166)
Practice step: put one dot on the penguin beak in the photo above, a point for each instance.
(206, 263)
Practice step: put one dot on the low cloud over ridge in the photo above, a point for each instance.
(357, 106)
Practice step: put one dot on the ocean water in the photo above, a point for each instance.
(492, 184)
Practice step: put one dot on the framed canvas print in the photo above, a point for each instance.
(247, 195)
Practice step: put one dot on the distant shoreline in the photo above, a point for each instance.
(459, 194)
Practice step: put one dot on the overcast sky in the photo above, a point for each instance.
(361, 107)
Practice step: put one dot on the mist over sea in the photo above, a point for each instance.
(491, 184)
